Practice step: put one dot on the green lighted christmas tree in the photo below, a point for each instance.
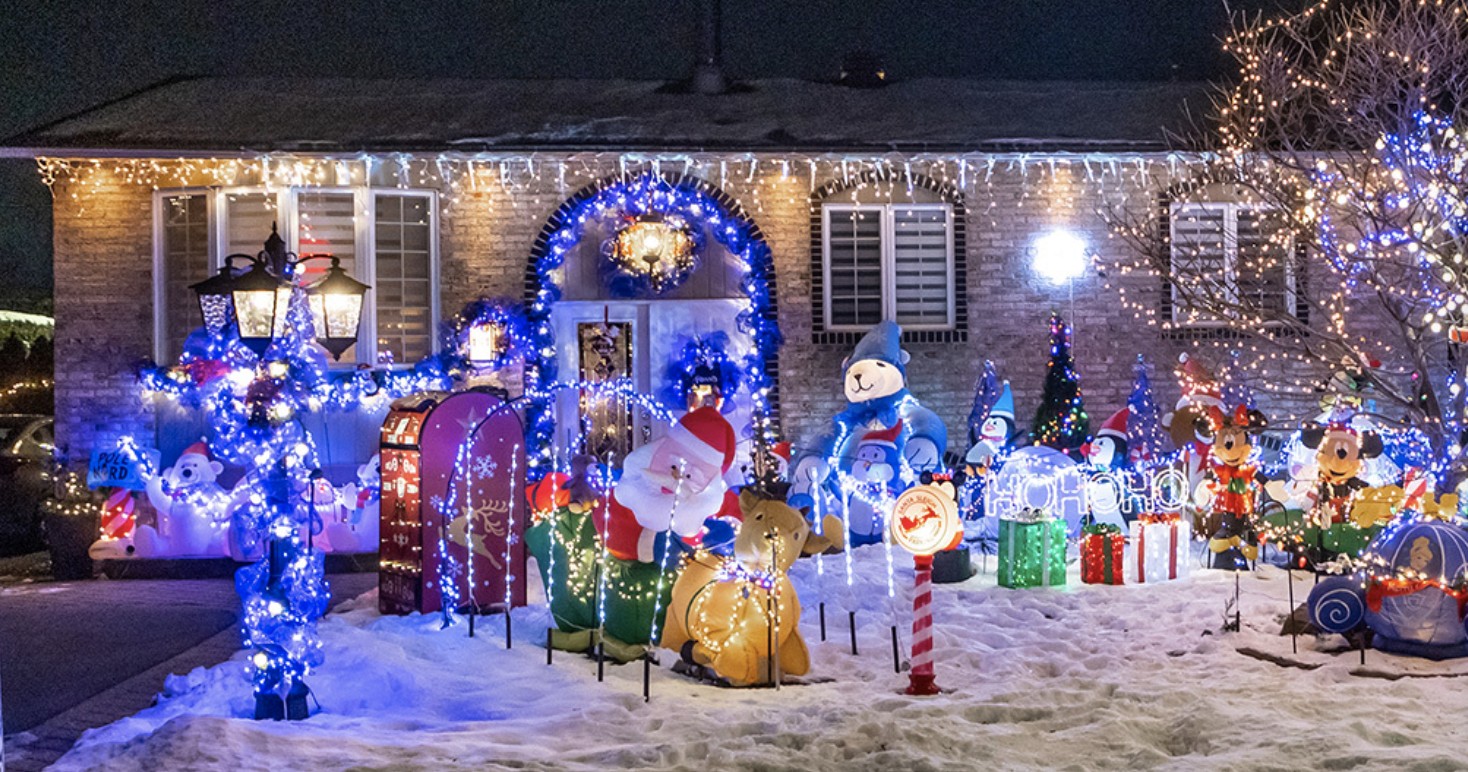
(1061, 422)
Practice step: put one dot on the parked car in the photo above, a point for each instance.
(27, 443)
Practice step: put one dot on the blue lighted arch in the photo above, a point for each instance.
(696, 201)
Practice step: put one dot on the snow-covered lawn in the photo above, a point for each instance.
(1081, 677)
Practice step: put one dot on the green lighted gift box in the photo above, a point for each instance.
(1031, 554)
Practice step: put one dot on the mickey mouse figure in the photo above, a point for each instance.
(1341, 451)
(1233, 484)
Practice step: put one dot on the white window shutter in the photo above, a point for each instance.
(1266, 275)
(853, 266)
(922, 290)
(248, 217)
(1203, 251)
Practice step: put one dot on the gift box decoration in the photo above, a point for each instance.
(1103, 554)
(1160, 549)
(1031, 551)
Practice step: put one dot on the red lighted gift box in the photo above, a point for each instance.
(1103, 554)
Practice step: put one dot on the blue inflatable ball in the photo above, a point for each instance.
(1426, 619)
(1337, 604)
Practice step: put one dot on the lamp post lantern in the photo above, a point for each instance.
(259, 298)
(336, 308)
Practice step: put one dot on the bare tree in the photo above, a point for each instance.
(1341, 247)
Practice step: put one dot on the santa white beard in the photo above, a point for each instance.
(646, 494)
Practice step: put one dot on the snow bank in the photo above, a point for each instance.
(1082, 677)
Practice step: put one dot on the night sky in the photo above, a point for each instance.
(57, 58)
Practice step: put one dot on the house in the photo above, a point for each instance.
(925, 202)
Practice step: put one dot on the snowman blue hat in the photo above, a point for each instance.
(883, 343)
(1004, 406)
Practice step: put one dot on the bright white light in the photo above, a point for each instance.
(1060, 256)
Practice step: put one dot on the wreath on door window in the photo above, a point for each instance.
(650, 255)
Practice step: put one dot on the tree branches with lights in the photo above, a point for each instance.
(1341, 247)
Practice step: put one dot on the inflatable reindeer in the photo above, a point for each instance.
(728, 612)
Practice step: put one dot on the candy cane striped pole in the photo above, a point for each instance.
(920, 677)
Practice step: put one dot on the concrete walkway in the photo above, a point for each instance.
(78, 655)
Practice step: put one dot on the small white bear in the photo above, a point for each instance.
(193, 512)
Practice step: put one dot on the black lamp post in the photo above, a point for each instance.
(260, 297)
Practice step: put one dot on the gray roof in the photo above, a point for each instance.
(343, 115)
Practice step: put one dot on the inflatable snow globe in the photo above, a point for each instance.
(1411, 594)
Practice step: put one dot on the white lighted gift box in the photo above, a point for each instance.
(1158, 550)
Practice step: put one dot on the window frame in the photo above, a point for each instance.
(887, 232)
(364, 207)
(1230, 209)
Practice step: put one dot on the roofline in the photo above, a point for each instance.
(1000, 147)
(32, 131)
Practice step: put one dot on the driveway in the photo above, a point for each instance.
(61, 643)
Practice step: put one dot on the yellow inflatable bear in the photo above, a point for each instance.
(727, 612)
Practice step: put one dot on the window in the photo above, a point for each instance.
(888, 261)
(1235, 256)
(404, 279)
(386, 239)
(183, 260)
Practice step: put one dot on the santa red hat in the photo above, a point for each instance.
(781, 449)
(1199, 387)
(707, 436)
(197, 449)
(883, 436)
(1115, 426)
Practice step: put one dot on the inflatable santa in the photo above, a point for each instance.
(671, 485)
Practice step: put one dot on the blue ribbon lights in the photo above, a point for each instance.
(690, 201)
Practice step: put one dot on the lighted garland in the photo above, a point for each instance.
(649, 194)
(243, 395)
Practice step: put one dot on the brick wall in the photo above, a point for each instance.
(104, 312)
(104, 324)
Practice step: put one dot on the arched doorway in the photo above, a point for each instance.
(596, 314)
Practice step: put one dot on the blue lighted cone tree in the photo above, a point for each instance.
(1146, 440)
(1061, 421)
(1335, 259)
(986, 393)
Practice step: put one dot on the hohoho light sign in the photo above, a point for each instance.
(1045, 479)
(924, 522)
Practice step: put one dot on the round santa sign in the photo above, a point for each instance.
(925, 519)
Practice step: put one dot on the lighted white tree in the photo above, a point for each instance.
(1340, 250)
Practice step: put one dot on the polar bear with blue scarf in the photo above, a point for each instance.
(874, 379)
